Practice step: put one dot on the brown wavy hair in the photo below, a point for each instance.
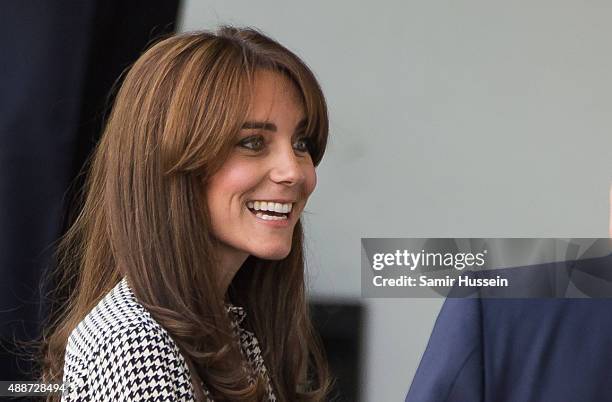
(144, 216)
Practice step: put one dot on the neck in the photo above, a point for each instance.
(230, 261)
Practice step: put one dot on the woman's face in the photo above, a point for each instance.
(257, 196)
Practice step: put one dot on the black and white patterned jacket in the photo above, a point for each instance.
(120, 353)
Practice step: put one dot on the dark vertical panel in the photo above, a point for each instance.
(44, 48)
(340, 326)
(58, 61)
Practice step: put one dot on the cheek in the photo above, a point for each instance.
(232, 180)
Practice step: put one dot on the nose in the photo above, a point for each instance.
(286, 168)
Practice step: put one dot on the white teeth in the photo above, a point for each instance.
(282, 208)
(270, 217)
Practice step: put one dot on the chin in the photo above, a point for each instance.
(273, 253)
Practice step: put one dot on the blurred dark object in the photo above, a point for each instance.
(58, 63)
(341, 328)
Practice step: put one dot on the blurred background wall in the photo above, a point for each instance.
(448, 119)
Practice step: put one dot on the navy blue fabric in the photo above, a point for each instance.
(518, 350)
(43, 65)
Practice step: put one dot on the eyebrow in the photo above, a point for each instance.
(265, 125)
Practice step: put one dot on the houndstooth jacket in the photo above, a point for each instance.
(120, 353)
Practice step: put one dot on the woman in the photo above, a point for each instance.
(188, 253)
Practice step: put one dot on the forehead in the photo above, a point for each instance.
(274, 94)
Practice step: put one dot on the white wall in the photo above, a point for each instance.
(460, 119)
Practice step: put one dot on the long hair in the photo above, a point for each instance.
(144, 216)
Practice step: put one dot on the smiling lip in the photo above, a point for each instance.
(277, 224)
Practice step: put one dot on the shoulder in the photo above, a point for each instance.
(117, 315)
(119, 352)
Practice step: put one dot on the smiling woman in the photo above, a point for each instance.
(185, 266)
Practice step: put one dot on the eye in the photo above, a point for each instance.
(254, 143)
(303, 144)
